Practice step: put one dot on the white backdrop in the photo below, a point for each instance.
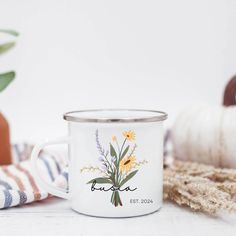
(75, 54)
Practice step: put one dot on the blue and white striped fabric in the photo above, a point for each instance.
(17, 182)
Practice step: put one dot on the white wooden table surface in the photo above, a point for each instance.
(54, 217)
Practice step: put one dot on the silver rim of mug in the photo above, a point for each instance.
(159, 116)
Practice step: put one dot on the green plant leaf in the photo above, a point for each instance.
(124, 152)
(128, 177)
(100, 181)
(112, 177)
(113, 151)
(5, 79)
(8, 31)
(6, 46)
(112, 198)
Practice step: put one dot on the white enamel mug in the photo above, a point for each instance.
(115, 162)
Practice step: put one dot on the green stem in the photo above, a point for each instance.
(117, 144)
(105, 156)
(122, 148)
(118, 161)
(115, 199)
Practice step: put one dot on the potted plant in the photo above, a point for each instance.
(5, 79)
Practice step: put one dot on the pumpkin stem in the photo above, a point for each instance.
(230, 93)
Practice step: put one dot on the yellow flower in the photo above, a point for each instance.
(114, 138)
(127, 163)
(130, 135)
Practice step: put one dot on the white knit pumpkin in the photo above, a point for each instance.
(206, 134)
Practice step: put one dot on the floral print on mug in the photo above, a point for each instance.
(118, 164)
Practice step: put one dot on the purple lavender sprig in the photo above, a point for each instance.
(103, 157)
(99, 146)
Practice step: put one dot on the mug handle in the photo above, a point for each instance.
(59, 192)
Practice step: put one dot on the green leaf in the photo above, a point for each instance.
(112, 198)
(5, 79)
(112, 151)
(112, 177)
(124, 153)
(100, 181)
(6, 46)
(11, 32)
(128, 177)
